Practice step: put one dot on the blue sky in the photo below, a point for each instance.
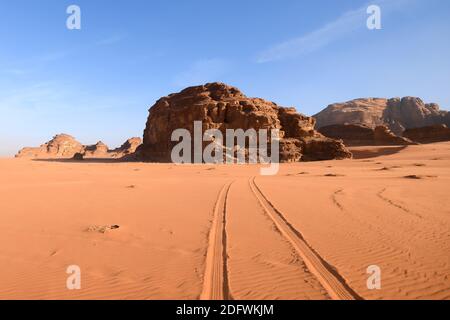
(97, 83)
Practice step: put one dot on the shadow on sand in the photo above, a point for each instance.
(358, 154)
(374, 152)
(86, 161)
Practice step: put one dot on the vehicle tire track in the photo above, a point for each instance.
(215, 281)
(332, 282)
(335, 200)
(396, 205)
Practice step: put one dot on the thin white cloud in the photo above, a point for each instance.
(17, 71)
(202, 71)
(347, 23)
(110, 40)
(32, 63)
(35, 96)
(52, 56)
(48, 97)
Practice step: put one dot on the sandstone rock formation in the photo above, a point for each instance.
(397, 114)
(61, 146)
(362, 135)
(98, 150)
(127, 148)
(384, 136)
(429, 134)
(64, 146)
(219, 106)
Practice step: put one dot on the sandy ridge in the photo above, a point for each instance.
(332, 282)
(215, 283)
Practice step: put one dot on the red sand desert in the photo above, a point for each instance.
(222, 232)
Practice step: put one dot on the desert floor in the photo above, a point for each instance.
(201, 231)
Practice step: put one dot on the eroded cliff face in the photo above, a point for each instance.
(396, 114)
(362, 135)
(128, 147)
(222, 107)
(436, 133)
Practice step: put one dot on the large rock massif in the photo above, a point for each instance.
(219, 106)
(64, 146)
(397, 114)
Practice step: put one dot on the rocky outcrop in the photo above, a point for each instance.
(127, 148)
(61, 146)
(368, 112)
(429, 134)
(362, 135)
(351, 134)
(384, 136)
(98, 150)
(64, 146)
(397, 114)
(219, 106)
(409, 112)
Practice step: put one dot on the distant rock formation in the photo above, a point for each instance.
(128, 147)
(397, 114)
(61, 146)
(219, 106)
(98, 150)
(64, 146)
(429, 134)
(362, 135)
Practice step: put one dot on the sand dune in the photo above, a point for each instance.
(151, 231)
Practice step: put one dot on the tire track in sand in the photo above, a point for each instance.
(335, 200)
(215, 281)
(396, 205)
(333, 283)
